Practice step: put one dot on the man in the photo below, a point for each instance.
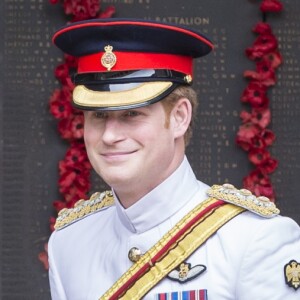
(159, 233)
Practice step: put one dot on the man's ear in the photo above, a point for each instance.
(181, 116)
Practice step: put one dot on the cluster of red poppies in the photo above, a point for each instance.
(253, 135)
(74, 169)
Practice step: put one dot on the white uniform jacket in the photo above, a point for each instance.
(244, 260)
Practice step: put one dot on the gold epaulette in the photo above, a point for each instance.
(244, 198)
(83, 208)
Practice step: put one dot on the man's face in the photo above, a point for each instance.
(132, 150)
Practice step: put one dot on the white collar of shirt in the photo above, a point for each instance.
(162, 202)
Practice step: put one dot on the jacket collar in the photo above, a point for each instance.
(162, 202)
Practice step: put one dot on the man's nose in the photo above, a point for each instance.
(113, 131)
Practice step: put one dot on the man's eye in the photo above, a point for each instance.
(100, 115)
(132, 113)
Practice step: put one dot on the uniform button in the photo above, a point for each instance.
(134, 254)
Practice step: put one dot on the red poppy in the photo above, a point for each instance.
(64, 128)
(72, 127)
(268, 166)
(261, 158)
(258, 155)
(81, 10)
(60, 103)
(271, 6)
(73, 194)
(261, 117)
(255, 94)
(268, 136)
(246, 134)
(74, 183)
(264, 43)
(259, 184)
(248, 131)
(273, 58)
(243, 143)
(77, 175)
(77, 126)
(80, 188)
(245, 116)
(62, 72)
(262, 28)
(76, 154)
(262, 139)
(257, 142)
(85, 9)
(265, 74)
(60, 109)
(265, 190)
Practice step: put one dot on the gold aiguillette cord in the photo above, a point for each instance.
(173, 248)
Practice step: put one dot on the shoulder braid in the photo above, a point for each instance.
(244, 198)
(227, 192)
(83, 208)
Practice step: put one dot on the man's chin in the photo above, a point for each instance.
(116, 181)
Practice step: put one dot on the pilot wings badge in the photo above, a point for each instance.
(292, 274)
(185, 272)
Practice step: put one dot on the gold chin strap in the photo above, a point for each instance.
(173, 248)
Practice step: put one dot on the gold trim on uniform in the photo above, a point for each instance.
(244, 198)
(183, 248)
(83, 208)
(292, 274)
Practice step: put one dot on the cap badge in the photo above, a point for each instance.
(185, 272)
(292, 274)
(108, 59)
